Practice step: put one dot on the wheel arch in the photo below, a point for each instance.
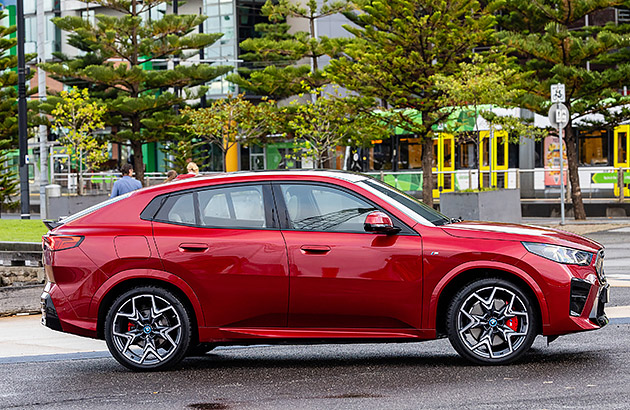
(124, 281)
(451, 284)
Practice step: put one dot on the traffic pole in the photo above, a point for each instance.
(560, 132)
(41, 90)
(22, 134)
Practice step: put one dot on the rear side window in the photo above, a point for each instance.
(233, 207)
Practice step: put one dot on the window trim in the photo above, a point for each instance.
(283, 212)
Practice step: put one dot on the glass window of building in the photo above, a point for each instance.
(221, 19)
(593, 147)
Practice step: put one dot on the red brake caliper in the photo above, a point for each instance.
(512, 323)
(129, 326)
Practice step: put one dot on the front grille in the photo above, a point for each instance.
(579, 293)
(599, 267)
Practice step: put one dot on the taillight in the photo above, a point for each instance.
(61, 242)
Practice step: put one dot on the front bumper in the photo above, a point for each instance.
(598, 316)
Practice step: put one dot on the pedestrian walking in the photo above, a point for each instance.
(193, 171)
(126, 183)
(170, 175)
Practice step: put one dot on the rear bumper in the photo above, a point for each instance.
(50, 318)
(57, 314)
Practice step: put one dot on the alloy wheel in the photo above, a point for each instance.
(493, 322)
(146, 330)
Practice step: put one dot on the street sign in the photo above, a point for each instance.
(609, 177)
(557, 93)
(558, 115)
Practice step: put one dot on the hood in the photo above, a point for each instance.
(523, 233)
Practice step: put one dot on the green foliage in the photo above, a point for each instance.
(552, 42)
(183, 150)
(277, 70)
(8, 88)
(8, 181)
(399, 48)
(139, 110)
(331, 121)
(231, 120)
(76, 118)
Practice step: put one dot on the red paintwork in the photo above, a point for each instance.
(250, 284)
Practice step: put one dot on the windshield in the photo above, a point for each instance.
(409, 202)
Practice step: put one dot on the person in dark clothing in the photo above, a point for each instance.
(126, 183)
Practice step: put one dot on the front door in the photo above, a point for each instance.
(493, 151)
(342, 276)
(621, 160)
(444, 157)
(225, 241)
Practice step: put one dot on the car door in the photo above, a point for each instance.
(225, 242)
(340, 275)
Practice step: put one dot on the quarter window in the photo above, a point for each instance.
(320, 208)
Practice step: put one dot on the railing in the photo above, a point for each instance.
(95, 183)
(538, 183)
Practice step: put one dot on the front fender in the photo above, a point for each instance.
(494, 265)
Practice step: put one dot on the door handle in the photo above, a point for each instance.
(320, 249)
(193, 247)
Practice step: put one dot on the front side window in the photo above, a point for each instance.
(423, 212)
(233, 207)
(321, 208)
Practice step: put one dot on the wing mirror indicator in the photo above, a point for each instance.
(380, 222)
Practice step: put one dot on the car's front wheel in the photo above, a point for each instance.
(147, 328)
(491, 321)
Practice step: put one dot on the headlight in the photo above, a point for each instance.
(559, 253)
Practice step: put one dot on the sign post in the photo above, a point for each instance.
(559, 118)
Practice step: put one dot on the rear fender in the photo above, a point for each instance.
(151, 274)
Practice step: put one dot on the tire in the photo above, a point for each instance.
(491, 321)
(147, 328)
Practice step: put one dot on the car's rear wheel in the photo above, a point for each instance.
(147, 328)
(491, 321)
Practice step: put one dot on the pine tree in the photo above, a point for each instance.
(277, 57)
(8, 88)
(552, 41)
(119, 50)
(399, 47)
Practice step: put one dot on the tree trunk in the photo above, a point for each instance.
(574, 178)
(427, 171)
(138, 160)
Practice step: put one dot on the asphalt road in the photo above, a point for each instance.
(582, 371)
(588, 370)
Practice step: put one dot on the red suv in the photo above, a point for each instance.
(309, 256)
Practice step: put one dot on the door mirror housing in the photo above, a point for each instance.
(379, 222)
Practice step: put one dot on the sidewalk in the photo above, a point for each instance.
(25, 336)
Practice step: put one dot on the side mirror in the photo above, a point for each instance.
(379, 222)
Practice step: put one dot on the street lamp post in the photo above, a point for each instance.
(24, 192)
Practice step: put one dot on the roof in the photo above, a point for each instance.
(273, 174)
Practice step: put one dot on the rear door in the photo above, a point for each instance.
(225, 242)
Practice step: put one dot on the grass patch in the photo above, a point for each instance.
(22, 230)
